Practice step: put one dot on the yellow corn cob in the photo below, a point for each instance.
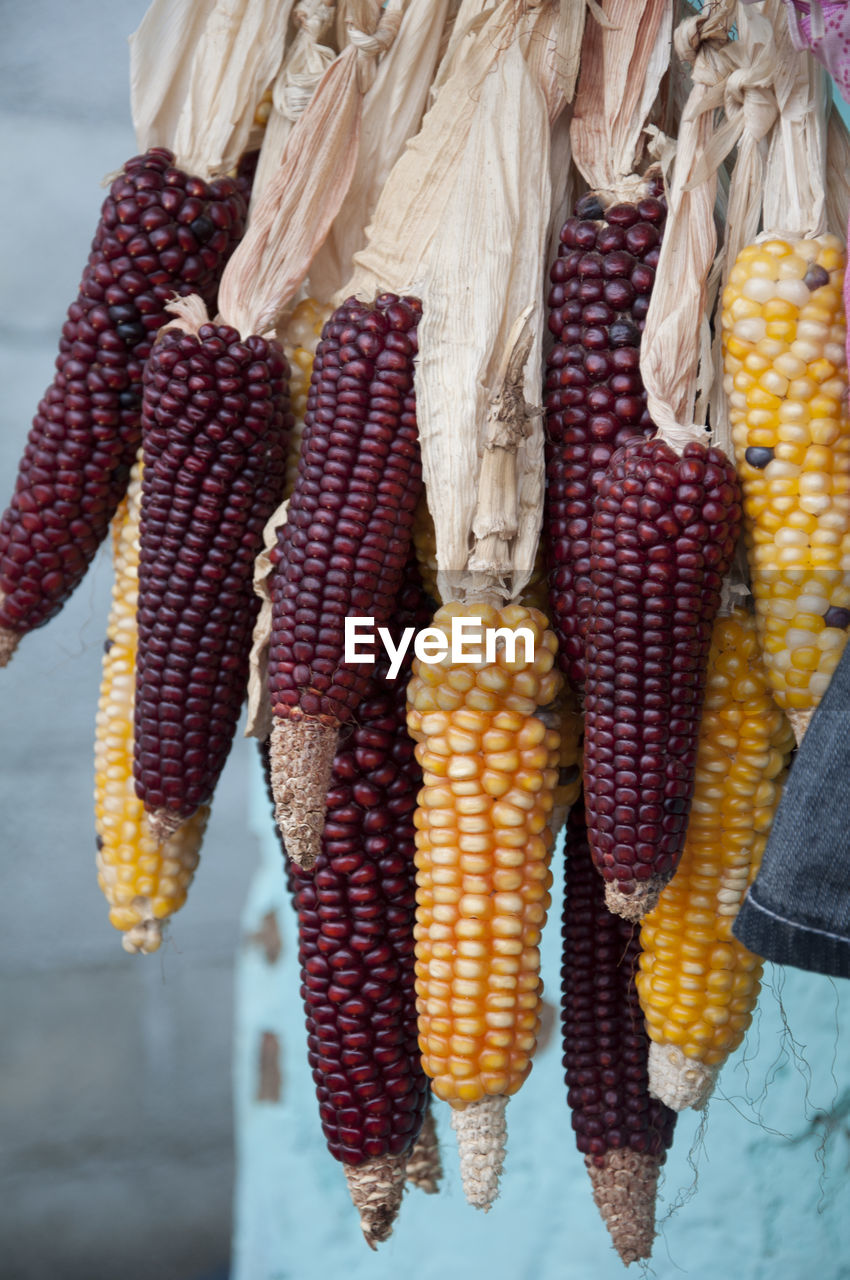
(301, 338)
(489, 773)
(786, 378)
(144, 881)
(697, 984)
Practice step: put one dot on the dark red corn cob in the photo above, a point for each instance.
(161, 232)
(343, 548)
(663, 536)
(594, 395)
(355, 915)
(216, 422)
(623, 1132)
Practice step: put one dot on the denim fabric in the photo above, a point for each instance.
(797, 911)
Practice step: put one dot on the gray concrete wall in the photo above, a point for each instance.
(115, 1071)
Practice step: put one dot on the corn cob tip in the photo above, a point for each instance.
(677, 1080)
(9, 641)
(162, 824)
(799, 720)
(144, 937)
(424, 1166)
(634, 906)
(376, 1187)
(624, 1191)
(481, 1140)
(301, 756)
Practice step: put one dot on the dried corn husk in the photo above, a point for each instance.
(795, 174)
(675, 350)
(392, 112)
(475, 176)
(837, 173)
(622, 65)
(293, 216)
(307, 59)
(198, 69)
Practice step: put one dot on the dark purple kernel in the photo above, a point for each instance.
(758, 456)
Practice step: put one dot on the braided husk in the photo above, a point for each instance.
(376, 1187)
(301, 754)
(624, 1191)
(481, 1140)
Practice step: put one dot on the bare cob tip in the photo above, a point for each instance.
(624, 1191)
(634, 906)
(9, 641)
(799, 721)
(301, 756)
(424, 1166)
(162, 824)
(376, 1187)
(679, 1081)
(481, 1140)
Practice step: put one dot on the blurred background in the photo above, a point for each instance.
(120, 1076)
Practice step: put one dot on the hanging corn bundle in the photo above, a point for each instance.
(786, 380)
(168, 226)
(144, 880)
(664, 529)
(601, 286)
(622, 1131)
(216, 428)
(697, 984)
(477, 962)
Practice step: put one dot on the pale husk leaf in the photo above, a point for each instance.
(675, 337)
(307, 59)
(198, 70)
(622, 65)
(795, 173)
(293, 216)
(475, 175)
(392, 112)
(837, 173)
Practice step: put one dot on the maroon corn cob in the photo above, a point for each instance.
(594, 394)
(356, 914)
(622, 1131)
(160, 232)
(344, 545)
(663, 536)
(215, 428)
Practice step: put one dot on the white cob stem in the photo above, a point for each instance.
(481, 1141)
(624, 1191)
(679, 1081)
(424, 1166)
(301, 754)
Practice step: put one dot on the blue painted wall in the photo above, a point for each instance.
(757, 1189)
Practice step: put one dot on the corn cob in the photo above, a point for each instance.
(343, 548)
(570, 725)
(144, 881)
(303, 331)
(697, 984)
(663, 535)
(622, 1131)
(215, 425)
(424, 1167)
(160, 233)
(490, 768)
(355, 914)
(594, 395)
(786, 379)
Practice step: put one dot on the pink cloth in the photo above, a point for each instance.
(824, 27)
